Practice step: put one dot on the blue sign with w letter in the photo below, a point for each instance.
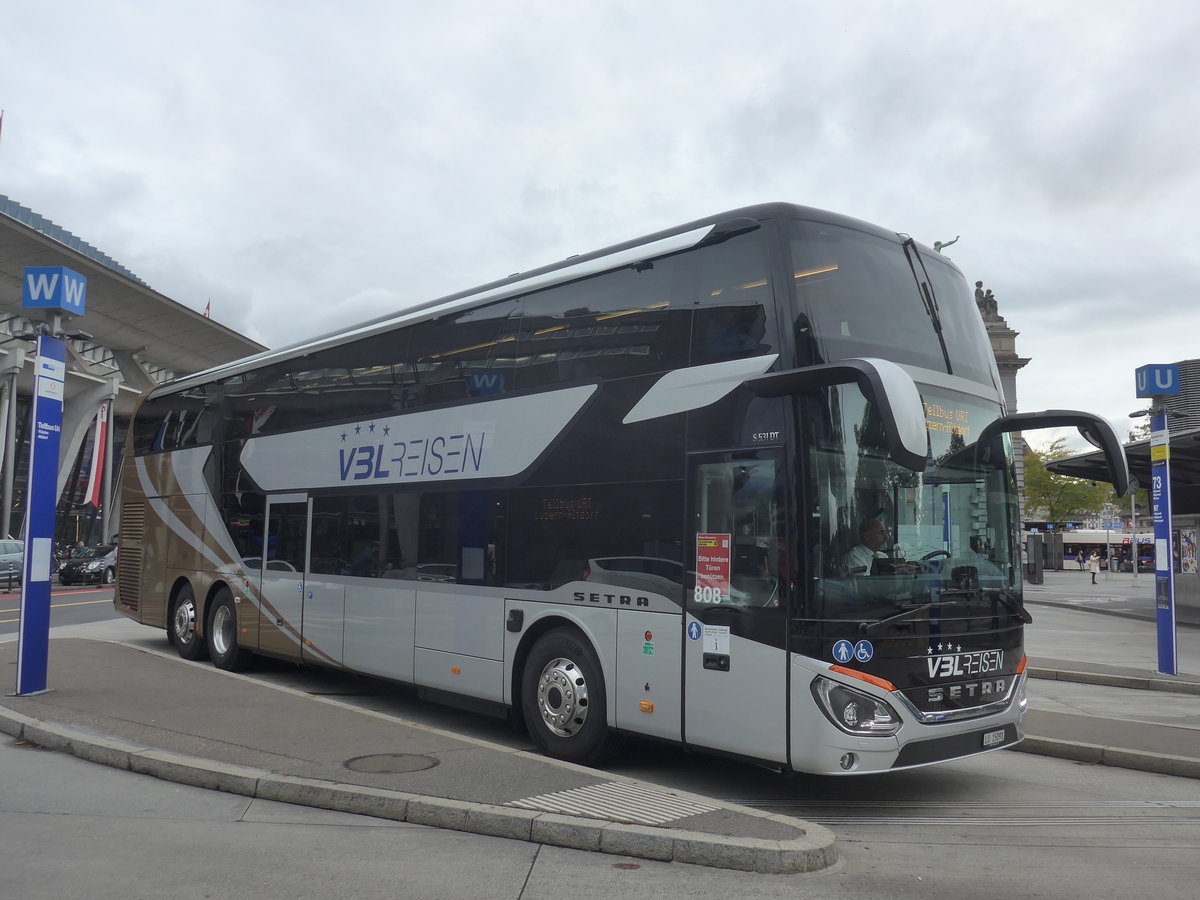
(54, 287)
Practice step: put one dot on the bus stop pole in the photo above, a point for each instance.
(1158, 383)
(33, 636)
(1164, 562)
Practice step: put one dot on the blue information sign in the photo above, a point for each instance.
(1164, 568)
(1157, 381)
(33, 640)
(54, 287)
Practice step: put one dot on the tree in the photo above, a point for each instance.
(1060, 499)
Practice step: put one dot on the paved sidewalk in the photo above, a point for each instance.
(129, 708)
(1117, 594)
(1111, 704)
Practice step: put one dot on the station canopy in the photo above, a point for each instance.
(1185, 468)
(124, 315)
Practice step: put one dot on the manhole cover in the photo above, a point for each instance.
(390, 763)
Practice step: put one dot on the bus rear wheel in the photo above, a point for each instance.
(563, 698)
(223, 635)
(182, 625)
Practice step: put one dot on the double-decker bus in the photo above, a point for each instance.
(624, 493)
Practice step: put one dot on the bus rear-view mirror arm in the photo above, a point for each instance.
(885, 385)
(1095, 430)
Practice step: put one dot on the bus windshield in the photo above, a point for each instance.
(860, 294)
(893, 538)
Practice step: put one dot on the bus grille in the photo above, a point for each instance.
(129, 556)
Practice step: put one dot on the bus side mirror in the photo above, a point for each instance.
(885, 385)
(1095, 430)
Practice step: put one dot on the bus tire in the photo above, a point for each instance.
(223, 635)
(182, 622)
(563, 698)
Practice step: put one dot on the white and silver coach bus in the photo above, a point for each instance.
(745, 485)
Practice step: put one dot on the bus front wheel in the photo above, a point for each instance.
(563, 698)
(182, 622)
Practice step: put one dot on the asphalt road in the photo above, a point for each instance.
(68, 606)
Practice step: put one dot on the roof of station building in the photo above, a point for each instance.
(123, 312)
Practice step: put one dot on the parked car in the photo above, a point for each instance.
(92, 564)
(445, 573)
(274, 565)
(11, 555)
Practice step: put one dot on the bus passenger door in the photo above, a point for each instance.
(735, 665)
(284, 561)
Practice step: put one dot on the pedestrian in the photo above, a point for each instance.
(1094, 565)
(1079, 559)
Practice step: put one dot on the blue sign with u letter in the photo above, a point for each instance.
(1157, 381)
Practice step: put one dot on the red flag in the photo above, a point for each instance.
(208, 310)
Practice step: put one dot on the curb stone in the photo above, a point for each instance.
(1142, 683)
(813, 851)
(1162, 764)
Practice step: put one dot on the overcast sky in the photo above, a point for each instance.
(305, 165)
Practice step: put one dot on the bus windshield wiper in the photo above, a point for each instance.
(928, 298)
(905, 614)
(950, 597)
(1008, 599)
(1012, 602)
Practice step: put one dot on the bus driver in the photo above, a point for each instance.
(872, 535)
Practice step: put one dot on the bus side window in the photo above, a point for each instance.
(729, 287)
(614, 325)
(465, 355)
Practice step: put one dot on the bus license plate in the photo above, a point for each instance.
(992, 738)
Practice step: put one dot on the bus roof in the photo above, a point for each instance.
(711, 229)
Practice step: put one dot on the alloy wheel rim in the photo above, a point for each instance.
(562, 697)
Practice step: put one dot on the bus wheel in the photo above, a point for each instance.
(187, 641)
(562, 695)
(223, 635)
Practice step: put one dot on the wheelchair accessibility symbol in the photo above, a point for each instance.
(844, 651)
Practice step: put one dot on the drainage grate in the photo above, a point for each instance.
(618, 802)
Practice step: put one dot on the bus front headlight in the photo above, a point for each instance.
(854, 712)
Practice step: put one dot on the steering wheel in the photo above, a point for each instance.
(926, 562)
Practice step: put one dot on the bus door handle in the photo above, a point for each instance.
(718, 662)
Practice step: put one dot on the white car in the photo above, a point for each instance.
(275, 565)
